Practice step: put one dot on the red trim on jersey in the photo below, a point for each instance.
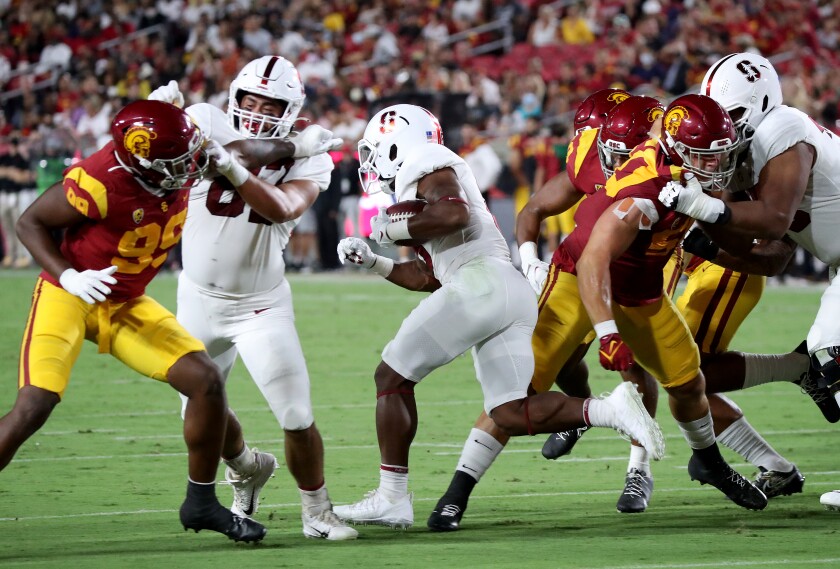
(267, 75)
(547, 288)
(392, 468)
(675, 277)
(27, 337)
(727, 312)
(394, 392)
(712, 307)
(528, 418)
(455, 199)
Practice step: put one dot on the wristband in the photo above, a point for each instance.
(398, 231)
(237, 173)
(382, 266)
(605, 328)
(527, 252)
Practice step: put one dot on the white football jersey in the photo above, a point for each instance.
(814, 226)
(481, 237)
(227, 247)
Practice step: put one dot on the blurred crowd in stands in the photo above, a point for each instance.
(502, 75)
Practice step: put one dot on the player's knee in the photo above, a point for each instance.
(33, 407)
(296, 417)
(510, 417)
(388, 380)
(195, 375)
(690, 390)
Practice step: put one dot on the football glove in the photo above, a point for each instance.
(314, 140)
(379, 228)
(358, 252)
(168, 93)
(698, 243)
(534, 269)
(614, 354)
(225, 164)
(91, 286)
(691, 200)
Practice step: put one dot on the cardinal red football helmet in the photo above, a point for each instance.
(593, 110)
(699, 136)
(159, 144)
(627, 125)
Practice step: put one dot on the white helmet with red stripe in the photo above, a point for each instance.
(747, 86)
(273, 77)
(389, 136)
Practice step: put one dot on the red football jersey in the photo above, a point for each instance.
(636, 275)
(128, 226)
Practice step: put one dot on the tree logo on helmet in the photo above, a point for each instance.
(138, 141)
(750, 71)
(387, 122)
(674, 119)
(618, 97)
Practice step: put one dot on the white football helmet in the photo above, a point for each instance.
(269, 76)
(389, 136)
(744, 83)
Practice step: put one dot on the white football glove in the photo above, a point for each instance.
(379, 228)
(225, 164)
(534, 269)
(168, 93)
(314, 140)
(358, 252)
(692, 201)
(89, 285)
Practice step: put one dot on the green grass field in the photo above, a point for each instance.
(100, 485)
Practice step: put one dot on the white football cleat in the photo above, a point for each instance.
(831, 500)
(246, 487)
(327, 525)
(630, 418)
(376, 509)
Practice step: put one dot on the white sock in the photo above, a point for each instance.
(741, 437)
(243, 463)
(699, 433)
(480, 450)
(393, 481)
(315, 501)
(639, 459)
(766, 368)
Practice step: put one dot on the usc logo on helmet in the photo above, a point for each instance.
(138, 140)
(674, 119)
(654, 114)
(618, 97)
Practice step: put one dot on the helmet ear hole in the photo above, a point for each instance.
(765, 103)
(392, 155)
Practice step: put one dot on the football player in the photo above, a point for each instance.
(232, 292)
(478, 301)
(794, 165)
(123, 209)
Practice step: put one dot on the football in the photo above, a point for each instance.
(404, 210)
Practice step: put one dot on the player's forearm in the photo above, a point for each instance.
(270, 201)
(439, 219)
(528, 225)
(757, 220)
(39, 242)
(409, 276)
(767, 258)
(595, 286)
(258, 152)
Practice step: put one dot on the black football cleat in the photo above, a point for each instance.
(774, 483)
(561, 444)
(731, 483)
(638, 487)
(222, 520)
(446, 516)
(810, 385)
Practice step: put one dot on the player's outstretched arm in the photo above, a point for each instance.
(553, 198)
(49, 212)
(613, 233)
